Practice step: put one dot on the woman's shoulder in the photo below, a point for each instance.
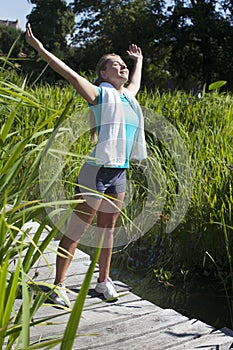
(99, 90)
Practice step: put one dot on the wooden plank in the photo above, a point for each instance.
(117, 331)
(31, 228)
(151, 331)
(218, 340)
(77, 271)
(98, 316)
(51, 250)
(95, 303)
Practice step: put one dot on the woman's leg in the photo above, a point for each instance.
(80, 220)
(106, 219)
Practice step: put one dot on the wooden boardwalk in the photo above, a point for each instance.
(129, 323)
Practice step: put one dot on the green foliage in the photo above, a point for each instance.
(163, 276)
(185, 44)
(217, 85)
(10, 41)
(100, 25)
(200, 36)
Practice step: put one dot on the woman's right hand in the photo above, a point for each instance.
(31, 40)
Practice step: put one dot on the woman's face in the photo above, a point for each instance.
(115, 71)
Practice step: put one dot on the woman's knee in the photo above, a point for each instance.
(106, 220)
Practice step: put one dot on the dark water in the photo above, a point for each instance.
(201, 298)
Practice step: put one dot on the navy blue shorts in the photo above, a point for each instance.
(101, 179)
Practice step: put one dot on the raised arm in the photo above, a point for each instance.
(135, 53)
(86, 89)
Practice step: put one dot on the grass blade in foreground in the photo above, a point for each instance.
(72, 325)
(25, 315)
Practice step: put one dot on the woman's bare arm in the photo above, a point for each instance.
(86, 89)
(135, 53)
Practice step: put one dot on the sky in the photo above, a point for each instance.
(15, 9)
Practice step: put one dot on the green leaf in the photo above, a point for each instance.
(216, 85)
(6, 127)
(25, 314)
(12, 293)
(16, 153)
(3, 283)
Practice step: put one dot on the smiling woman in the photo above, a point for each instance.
(120, 138)
(111, 65)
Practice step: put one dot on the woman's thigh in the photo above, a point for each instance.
(109, 209)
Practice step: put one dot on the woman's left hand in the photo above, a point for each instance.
(31, 40)
(134, 52)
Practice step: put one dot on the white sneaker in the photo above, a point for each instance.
(107, 289)
(59, 296)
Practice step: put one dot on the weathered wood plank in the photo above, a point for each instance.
(99, 316)
(75, 274)
(218, 340)
(155, 331)
(51, 250)
(164, 337)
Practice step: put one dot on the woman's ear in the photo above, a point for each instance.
(102, 74)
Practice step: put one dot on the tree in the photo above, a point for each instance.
(52, 21)
(10, 38)
(107, 26)
(199, 35)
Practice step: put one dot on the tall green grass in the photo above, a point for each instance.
(205, 125)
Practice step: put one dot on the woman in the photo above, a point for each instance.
(119, 125)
